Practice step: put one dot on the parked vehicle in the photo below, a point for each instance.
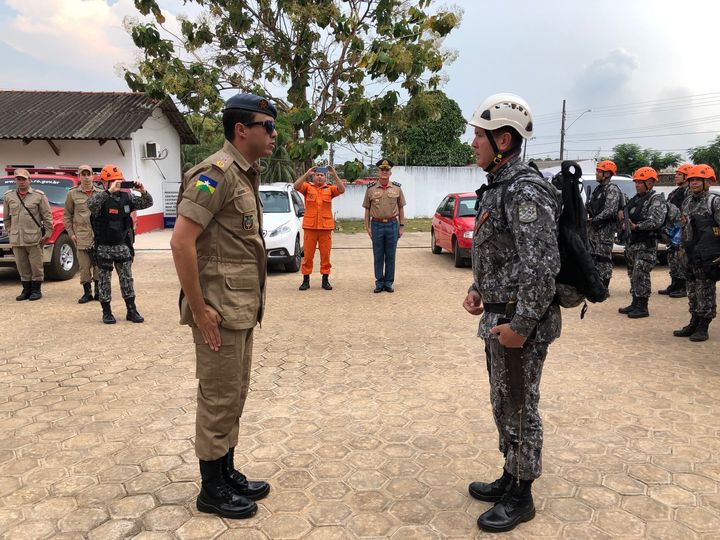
(452, 226)
(283, 208)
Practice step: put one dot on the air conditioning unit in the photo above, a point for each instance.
(150, 150)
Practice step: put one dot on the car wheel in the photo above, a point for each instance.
(435, 248)
(63, 263)
(294, 265)
(459, 260)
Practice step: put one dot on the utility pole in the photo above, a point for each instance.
(332, 154)
(524, 149)
(562, 132)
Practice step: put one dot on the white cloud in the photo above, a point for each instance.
(606, 76)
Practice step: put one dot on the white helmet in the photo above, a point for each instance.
(501, 110)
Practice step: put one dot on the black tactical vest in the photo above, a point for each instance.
(678, 196)
(112, 225)
(635, 213)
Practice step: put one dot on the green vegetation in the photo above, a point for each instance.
(354, 226)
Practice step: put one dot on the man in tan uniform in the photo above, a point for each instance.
(28, 219)
(219, 255)
(77, 224)
(384, 222)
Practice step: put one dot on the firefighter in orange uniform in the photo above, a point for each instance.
(318, 222)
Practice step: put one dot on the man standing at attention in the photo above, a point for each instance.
(384, 222)
(318, 222)
(603, 207)
(219, 255)
(515, 259)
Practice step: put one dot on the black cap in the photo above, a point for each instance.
(251, 102)
(385, 164)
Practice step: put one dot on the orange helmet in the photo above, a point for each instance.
(607, 166)
(704, 172)
(645, 173)
(110, 173)
(684, 168)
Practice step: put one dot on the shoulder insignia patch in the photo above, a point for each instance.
(371, 184)
(248, 222)
(223, 161)
(527, 212)
(205, 183)
(398, 184)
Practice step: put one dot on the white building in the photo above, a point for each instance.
(58, 129)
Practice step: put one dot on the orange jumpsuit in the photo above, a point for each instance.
(318, 224)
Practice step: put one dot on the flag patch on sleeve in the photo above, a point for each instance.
(205, 183)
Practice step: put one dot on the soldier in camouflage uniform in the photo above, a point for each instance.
(675, 252)
(515, 261)
(112, 227)
(702, 207)
(603, 207)
(644, 216)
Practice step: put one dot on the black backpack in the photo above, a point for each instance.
(578, 276)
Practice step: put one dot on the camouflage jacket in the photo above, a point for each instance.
(515, 253)
(605, 222)
(651, 216)
(698, 205)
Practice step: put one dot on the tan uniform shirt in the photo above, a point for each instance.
(384, 202)
(221, 195)
(23, 229)
(77, 216)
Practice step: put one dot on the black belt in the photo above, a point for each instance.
(381, 220)
(501, 308)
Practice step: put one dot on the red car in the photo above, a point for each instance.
(452, 226)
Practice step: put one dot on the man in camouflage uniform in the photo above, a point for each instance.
(644, 215)
(675, 252)
(603, 207)
(219, 255)
(77, 223)
(515, 260)
(112, 229)
(701, 210)
(27, 212)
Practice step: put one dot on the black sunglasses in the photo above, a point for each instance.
(269, 125)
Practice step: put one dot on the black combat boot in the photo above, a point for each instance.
(305, 285)
(641, 309)
(253, 490)
(87, 294)
(108, 317)
(494, 491)
(701, 330)
(680, 290)
(217, 497)
(25, 294)
(687, 331)
(627, 309)
(96, 295)
(514, 508)
(35, 290)
(670, 288)
(326, 282)
(132, 312)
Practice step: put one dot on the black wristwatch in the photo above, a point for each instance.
(402, 224)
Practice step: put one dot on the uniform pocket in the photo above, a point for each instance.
(247, 213)
(241, 299)
(216, 365)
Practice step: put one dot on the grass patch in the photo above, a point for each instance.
(354, 226)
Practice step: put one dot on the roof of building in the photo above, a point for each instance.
(62, 115)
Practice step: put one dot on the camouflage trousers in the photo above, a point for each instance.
(641, 259)
(118, 256)
(514, 395)
(677, 261)
(702, 298)
(602, 255)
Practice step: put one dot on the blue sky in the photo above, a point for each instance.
(645, 68)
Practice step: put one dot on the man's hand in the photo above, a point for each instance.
(368, 229)
(114, 187)
(473, 303)
(139, 186)
(508, 337)
(208, 321)
(633, 226)
(73, 238)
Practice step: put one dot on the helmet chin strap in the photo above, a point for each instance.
(498, 155)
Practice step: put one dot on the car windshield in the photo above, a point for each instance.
(55, 189)
(467, 207)
(275, 202)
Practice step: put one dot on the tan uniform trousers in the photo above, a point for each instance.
(29, 262)
(88, 272)
(223, 381)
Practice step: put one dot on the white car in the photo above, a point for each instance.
(283, 208)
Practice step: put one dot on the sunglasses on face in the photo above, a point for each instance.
(269, 125)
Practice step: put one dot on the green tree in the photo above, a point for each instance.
(352, 170)
(710, 154)
(427, 133)
(327, 63)
(209, 132)
(630, 157)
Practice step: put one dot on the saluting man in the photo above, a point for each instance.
(384, 222)
(28, 220)
(219, 255)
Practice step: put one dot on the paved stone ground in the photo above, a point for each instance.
(368, 413)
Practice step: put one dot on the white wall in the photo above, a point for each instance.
(424, 188)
